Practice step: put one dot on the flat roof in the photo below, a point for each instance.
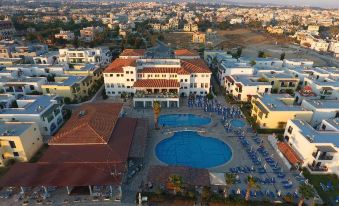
(69, 81)
(323, 104)
(329, 82)
(316, 136)
(13, 128)
(274, 102)
(38, 104)
(280, 76)
(249, 80)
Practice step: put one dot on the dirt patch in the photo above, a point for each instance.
(180, 40)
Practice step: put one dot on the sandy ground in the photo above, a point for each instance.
(252, 42)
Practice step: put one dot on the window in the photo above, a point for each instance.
(323, 127)
(112, 85)
(12, 144)
(118, 75)
(272, 83)
(111, 75)
(127, 72)
(106, 75)
(127, 80)
(185, 80)
(202, 85)
(131, 72)
(206, 85)
(107, 85)
(47, 90)
(290, 129)
(195, 85)
(132, 80)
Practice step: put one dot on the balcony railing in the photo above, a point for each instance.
(318, 169)
(155, 95)
(325, 157)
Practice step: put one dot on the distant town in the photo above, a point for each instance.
(163, 103)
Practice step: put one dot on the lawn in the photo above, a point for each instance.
(330, 196)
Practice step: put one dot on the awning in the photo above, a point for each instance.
(61, 175)
(289, 153)
(217, 178)
(156, 83)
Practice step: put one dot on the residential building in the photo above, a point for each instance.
(43, 110)
(81, 56)
(325, 89)
(19, 141)
(51, 57)
(199, 38)
(243, 87)
(292, 63)
(66, 35)
(317, 149)
(7, 29)
(76, 88)
(88, 34)
(268, 62)
(272, 111)
(185, 54)
(281, 82)
(87, 70)
(191, 28)
(31, 70)
(27, 53)
(22, 86)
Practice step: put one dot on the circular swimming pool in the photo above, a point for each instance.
(177, 120)
(237, 123)
(188, 148)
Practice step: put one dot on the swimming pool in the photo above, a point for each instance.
(176, 120)
(188, 148)
(237, 123)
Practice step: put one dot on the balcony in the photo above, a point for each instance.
(317, 168)
(325, 157)
(143, 94)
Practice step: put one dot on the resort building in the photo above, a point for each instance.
(85, 70)
(268, 62)
(243, 87)
(73, 87)
(43, 110)
(228, 68)
(282, 83)
(325, 89)
(322, 109)
(291, 63)
(21, 86)
(157, 79)
(19, 141)
(272, 111)
(317, 150)
(82, 55)
(37, 70)
(93, 150)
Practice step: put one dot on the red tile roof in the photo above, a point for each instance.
(61, 175)
(195, 66)
(115, 151)
(163, 70)
(289, 153)
(185, 52)
(117, 65)
(94, 126)
(152, 83)
(229, 79)
(133, 52)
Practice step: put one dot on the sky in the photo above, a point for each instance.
(318, 3)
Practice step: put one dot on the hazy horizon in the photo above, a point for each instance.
(317, 3)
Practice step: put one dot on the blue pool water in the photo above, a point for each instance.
(237, 123)
(188, 148)
(183, 120)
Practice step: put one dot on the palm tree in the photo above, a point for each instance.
(306, 191)
(251, 183)
(176, 182)
(230, 180)
(156, 111)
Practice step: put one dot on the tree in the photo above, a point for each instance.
(230, 180)
(156, 111)
(253, 63)
(261, 54)
(306, 191)
(282, 56)
(176, 183)
(251, 183)
(239, 52)
(209, 96)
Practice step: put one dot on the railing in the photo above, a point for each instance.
(158, 95)
(325, 157)
(318, 169)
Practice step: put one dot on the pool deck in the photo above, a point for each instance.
(213, 129)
